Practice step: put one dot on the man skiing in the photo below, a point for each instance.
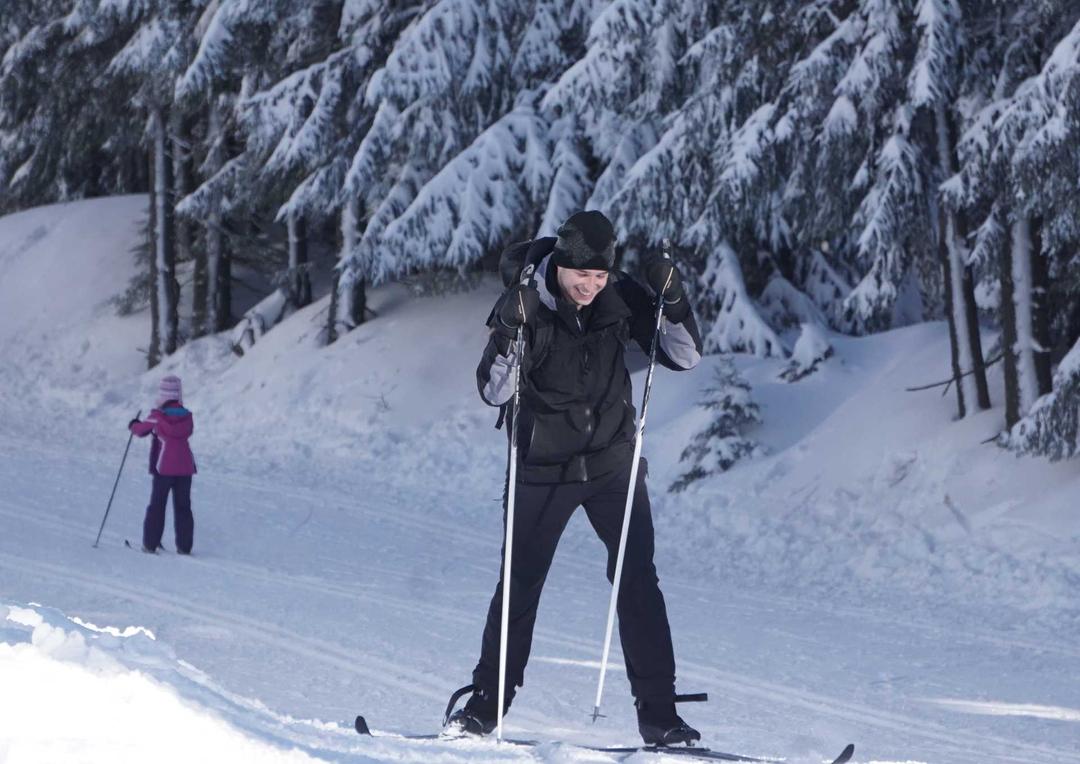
(576, 436)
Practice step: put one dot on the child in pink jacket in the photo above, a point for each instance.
(172, 465)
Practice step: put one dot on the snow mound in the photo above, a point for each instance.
(75, 692)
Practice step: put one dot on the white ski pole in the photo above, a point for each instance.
(508, 540)
(638, 438)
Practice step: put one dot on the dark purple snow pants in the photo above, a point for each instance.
(183, 521)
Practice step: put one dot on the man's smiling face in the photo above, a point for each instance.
(581, 286)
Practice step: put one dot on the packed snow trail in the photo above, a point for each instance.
(313, 604)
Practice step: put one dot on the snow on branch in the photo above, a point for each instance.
(607, 80)
(373, 153)
(219, 42)
(888, 213)
(476, 201)
(454, 48)
(749, 145)
(298, 116)
(933, 75)
(316, 195)
(735, 325)
(151, 52)
(569, 185)
(217, 193)
(368, 260)
(1052, 427)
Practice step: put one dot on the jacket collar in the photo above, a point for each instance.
(607, 307)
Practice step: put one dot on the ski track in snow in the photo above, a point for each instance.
(47, 516)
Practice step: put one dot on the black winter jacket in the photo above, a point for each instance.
(577, 412)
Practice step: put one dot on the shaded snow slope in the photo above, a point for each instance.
(881, 577)
(59, 267)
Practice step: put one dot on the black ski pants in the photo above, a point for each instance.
(183, 520)
(541, 512)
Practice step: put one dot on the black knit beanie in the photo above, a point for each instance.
(586, 242)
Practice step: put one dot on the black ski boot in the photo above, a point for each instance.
(478, 717)
(659, 725)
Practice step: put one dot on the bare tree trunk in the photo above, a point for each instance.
(185, 229)
(345, 240)
(153, 353)
(1040, 311)
(356, 289)
(223, 318)
(332, 311)
(959, 285)
(950, 312)
(299, 288)
(353, 291)
(1022, 300)
(982, 387)
(164, 253)
(218, 265)
(1008, 336)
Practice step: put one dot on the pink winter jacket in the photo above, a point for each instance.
(170, 453)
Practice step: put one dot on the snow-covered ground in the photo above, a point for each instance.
(883, 577)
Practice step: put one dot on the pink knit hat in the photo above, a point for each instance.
(169, 390)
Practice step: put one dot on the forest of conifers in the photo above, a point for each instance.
(851, 165)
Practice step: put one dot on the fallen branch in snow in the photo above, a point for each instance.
(950, 380)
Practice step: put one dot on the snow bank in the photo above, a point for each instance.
(75, 692)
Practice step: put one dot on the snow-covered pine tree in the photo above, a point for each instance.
(628, 79)
(235, 52)
(722, 442)
(1014, 167)
(457, 162)
(683, 185)
(894, 211)
(824, 282)
(1052, 426)
(811, 349)
(291, 122)
(624, 75)
(59, 136)
(784, 306)
(820, 142)
(932, 88)
(158, 47)
(476, 202)
(367, 34)
(570, 182)
(1045, 175)
(734, 319)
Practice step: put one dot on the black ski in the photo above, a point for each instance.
(129, 545)
(706, 754)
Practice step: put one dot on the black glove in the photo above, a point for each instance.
(662, 275)
(664, 278)
(133, 421)
(519, 307)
